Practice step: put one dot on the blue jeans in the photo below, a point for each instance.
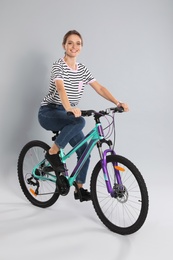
(55, 118)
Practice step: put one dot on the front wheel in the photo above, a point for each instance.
(40, 190)
(125, 210)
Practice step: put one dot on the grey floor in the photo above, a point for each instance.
(71, 230)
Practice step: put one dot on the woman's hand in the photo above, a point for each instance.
(76, 111)
(125, 106)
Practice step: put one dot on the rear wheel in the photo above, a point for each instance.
(125, 210)
(40, 192)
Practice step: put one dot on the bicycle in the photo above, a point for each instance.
(119, 193)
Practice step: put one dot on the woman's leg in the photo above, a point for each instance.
(56, 119)
(81, 193)
(83, 172)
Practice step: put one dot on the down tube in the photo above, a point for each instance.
(82, 161)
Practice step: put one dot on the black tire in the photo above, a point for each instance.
(122, 214)
(32, 154)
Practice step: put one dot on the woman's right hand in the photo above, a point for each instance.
(76, 111)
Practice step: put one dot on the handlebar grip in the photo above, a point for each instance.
(69, 113)
(117, 109)
(120, 109)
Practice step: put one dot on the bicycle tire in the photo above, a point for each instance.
(127, 213)
(31, 154)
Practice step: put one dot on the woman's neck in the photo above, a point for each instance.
(71, 62)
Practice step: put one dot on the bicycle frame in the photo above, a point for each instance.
(95, 135)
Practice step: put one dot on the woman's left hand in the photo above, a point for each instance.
(125, 106)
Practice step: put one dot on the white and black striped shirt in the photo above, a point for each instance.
(74, 82)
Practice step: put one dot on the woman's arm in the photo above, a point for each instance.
(64, 99)
(104, 92)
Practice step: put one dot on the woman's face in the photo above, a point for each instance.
(73, 45)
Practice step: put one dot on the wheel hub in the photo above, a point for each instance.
(120, 193)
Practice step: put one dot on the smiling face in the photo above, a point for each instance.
(73, 45)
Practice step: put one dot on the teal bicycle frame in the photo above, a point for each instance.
(93, 137)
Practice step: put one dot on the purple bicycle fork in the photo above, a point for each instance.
(104, 166)
(105, 171)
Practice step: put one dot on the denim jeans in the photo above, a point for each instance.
(55, 118)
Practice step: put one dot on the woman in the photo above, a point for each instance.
(67, 82)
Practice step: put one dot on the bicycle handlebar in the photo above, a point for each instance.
(107, 111)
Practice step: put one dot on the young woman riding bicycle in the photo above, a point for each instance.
(67, 83)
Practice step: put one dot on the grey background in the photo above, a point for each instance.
(128, 46)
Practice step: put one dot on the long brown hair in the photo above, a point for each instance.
(70, 33)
